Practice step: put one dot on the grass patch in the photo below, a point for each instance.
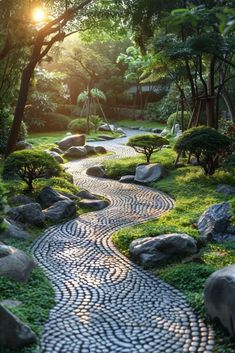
(193, 194)
(140, 123)
(47, 140)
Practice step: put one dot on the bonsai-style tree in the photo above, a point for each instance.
(30, 165)
(147, 144)
(206, 144)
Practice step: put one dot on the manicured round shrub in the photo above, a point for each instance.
(56, 122)
(6, 120)
(147, 144)
(206, 144)
(176, 119)
(30, 165)
(79, 126)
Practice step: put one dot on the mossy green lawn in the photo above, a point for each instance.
(193, 194)
(48, 140)
(140, 123)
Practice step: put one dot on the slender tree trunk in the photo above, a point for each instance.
(19, 111)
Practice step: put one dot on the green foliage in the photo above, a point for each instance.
(206, 144)
(147, 144)
(175, 118)
(229, 164)
(96, 121)
(56, 122)
(78, 126)
(6, 119)
(29, 165)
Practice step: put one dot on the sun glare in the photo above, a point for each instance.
(39, 15)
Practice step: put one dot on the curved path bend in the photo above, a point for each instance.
(105, 303)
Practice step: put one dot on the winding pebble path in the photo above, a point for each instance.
(105, 303)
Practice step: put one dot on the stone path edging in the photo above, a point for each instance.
(104, 302)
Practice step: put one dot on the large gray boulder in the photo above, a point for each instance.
(23, 145)
(13, 333)
(90, 149)
(56, 156)
(48, 196)
(70, 141)
(76, 152)
(60, 210)
(100, 149)
(18, 200)
(214, 220)
(30, 214)
(148, 173)
(219, 295)
(11, 230)
(107, 127)
(96, 171)
(15, 264)
(97, 204)
(84, 194)
(155, 251)
(226, 189)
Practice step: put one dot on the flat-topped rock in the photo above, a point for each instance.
(156, 250)
(70, 141)
(148, 173)
(97, 204)
(15, 264)
(13, 332)
(106, 137)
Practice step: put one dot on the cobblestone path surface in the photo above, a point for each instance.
(105, 303)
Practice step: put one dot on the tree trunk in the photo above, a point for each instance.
(19, 111)
(210, 112)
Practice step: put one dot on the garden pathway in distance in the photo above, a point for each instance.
(104, 302)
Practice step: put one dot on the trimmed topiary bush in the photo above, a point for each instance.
(174, 119)
(206, 144)
(147, 144)
(5, 126)
(79, 126)
(30, 165)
